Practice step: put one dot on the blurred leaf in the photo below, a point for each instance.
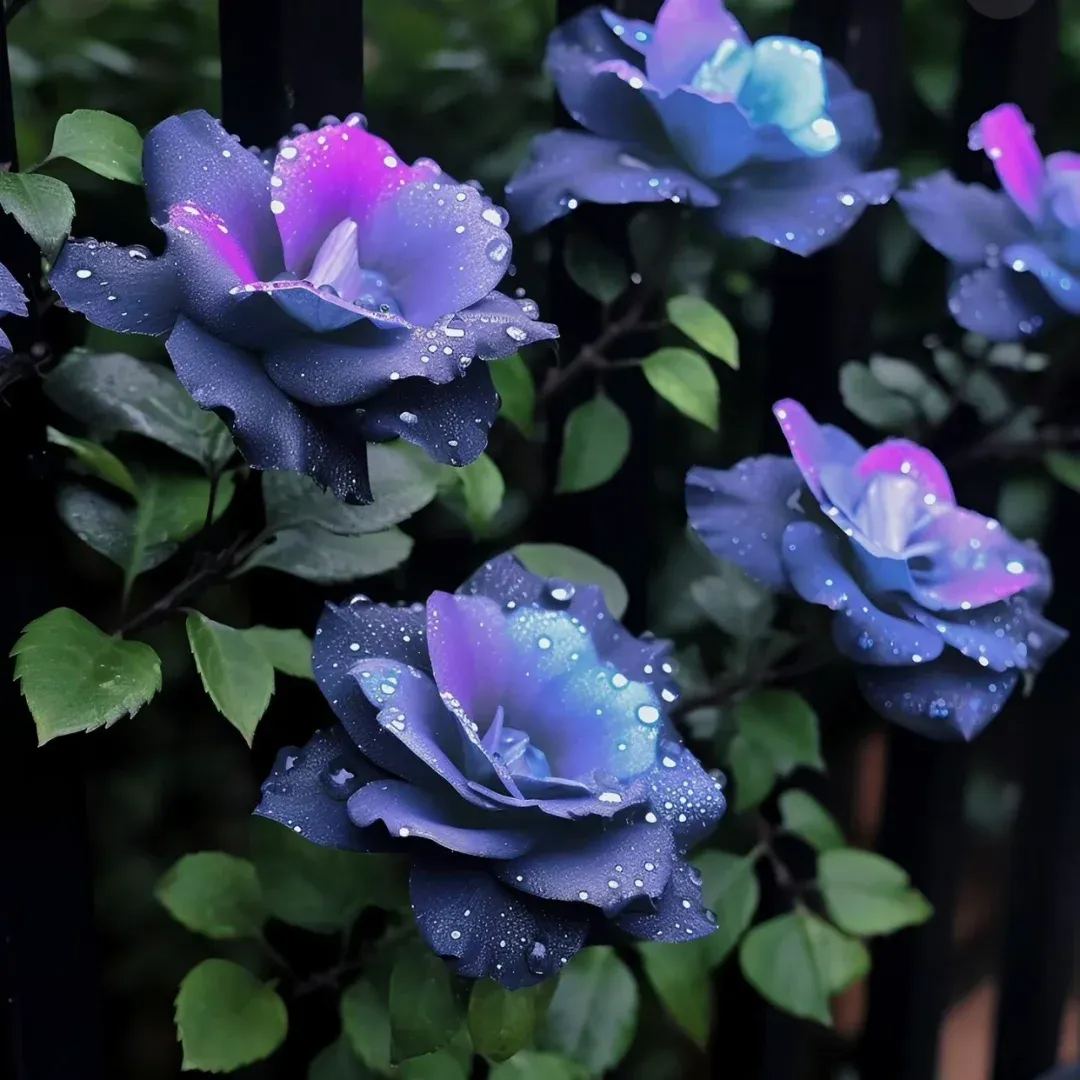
(537, 1065)
(97, 460)
(706, 326)
(514, 383)
(729, 888)
(907, 379)
(1024, 505)
(679, 973)
(502, 1022)
(318, 888)
(114, 392)
(101, 142)
(866, 894)
(804, 816)
(737, 604)
(649, 233)
(227, 1018)
(985, 394)
(337, 1062)
(424, 1013)
(798, 962)
(872, 403)
(596, 441)
(483, 488)
(950, 366)
(76, 678)
(314, 554)
(234, 670)
(753, 771)
(365, 1020)
(1064, 468)
(783, 726)
(594, 268)
(288, 650)
(399, 484)
(684, 379)
(594, 1013)
(579, 567)
(214, 894)
(42, 205)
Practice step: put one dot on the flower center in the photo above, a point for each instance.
(337, 266)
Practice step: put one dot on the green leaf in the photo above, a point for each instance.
(905, 378)
(595, 444)
(594, 1013)
(76, 678)
(1025, 503)
(581, 568)
(42, 205)
(288, 650)
(1064, 468)
(234, 670)
(226, 1018)
(365, 1020)
(684, 378)
(514, 383)
(706, 327)
(114, 392)
(101, 142)
(502, 1022)
(319, 888)
(738, 605)
(804, 816)
(798, 962)
(679, 973)
(399, 484)
(729, 888)
(753, 770)
(594, 268)
(337, 1062)
(987, 396)
(214, 894)
(783, 726)
(866, 894)
(424, 1013)
(314, 554)
(97, 460)
(537, 1065)
(483, 488)
(872, 403)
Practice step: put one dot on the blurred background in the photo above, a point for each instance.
(461, 81)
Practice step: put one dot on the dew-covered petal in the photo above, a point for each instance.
(965, 222)
(1062, 285)
(413, 812)
(271, 430)
(679, 915)
(971, 561)
(191, 160)
(125, 289)
(785, 86)
(862, 631)
(12, 297)
(901, 457)
(683, 795)
(450, 422)
(686, 34)
(593, 76)
(488, 931)
(308, 787)
(1000, 303)
(1006, 136)
(320, 308)
(566, 168)
(741, 513)
(814, 445)
(951, 698)
(496, 327)
(609, 865)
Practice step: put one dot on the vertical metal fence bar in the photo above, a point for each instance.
(49, 985)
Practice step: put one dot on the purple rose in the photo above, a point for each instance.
(767, 137)
(12, 302)
(1015, 253)
(320, 299)
(939, 607)
(514, 740)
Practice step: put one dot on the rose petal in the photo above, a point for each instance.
(1006, 136)
(686, 34)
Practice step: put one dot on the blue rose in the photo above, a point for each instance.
(12, 302)
(321, 298)
(768, 138)
(514, 740)
(939, 607)
(1014, 253)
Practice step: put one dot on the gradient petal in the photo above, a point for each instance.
(684, 796)
(1005, 135)
(686, 34)
(1000, 304)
